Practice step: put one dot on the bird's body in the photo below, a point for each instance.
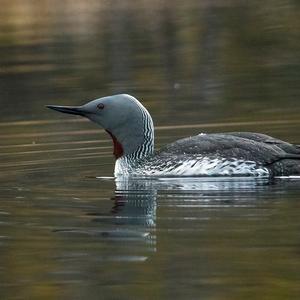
(221, 154)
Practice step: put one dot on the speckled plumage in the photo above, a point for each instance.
(222, 154)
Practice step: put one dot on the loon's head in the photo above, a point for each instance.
(122, 116)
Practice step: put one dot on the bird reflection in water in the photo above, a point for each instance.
(133, 215)
(127, 231)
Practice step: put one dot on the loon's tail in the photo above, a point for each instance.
(287, 165)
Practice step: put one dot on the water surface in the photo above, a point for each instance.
(68, 230)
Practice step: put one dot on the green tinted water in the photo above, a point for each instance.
(197, 66)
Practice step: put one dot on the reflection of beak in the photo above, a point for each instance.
(73, 110)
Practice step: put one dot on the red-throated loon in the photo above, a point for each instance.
(219, 154)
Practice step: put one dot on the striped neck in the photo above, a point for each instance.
(126, 164)
(147, 146)
(138, 144)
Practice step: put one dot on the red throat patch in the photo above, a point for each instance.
(118, 148)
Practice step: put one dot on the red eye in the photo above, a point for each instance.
(100, 105)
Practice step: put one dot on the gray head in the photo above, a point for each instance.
(124, 118)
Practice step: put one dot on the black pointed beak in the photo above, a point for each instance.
(73, 110)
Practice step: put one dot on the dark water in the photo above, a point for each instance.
(70, 231)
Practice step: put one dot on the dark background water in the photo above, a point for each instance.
(198, 66)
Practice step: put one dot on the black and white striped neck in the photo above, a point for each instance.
(145, 148)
